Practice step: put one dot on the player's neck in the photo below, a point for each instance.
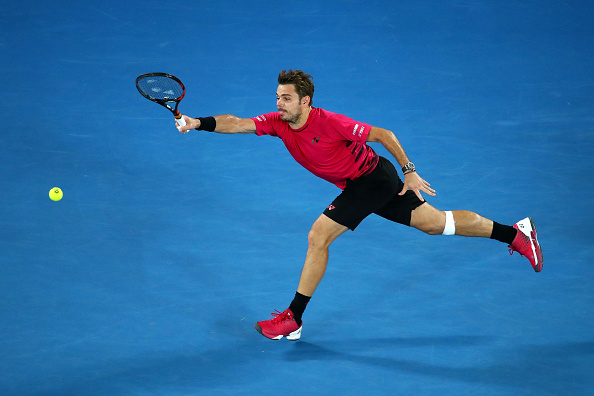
(302, 120)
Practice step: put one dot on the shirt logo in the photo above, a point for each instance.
(315, 140)
(360, 131)
(331, 207)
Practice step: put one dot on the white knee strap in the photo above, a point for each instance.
(450, 224)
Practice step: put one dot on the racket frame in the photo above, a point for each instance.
(168, 104)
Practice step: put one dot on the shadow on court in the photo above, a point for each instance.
(537, 369)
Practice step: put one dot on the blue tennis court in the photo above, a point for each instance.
(148, 276)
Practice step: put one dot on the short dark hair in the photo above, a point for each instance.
(302, 81)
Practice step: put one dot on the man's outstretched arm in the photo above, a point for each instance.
(222, 124)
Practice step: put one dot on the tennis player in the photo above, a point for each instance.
(334, 147)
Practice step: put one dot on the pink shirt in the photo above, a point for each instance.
(329, 145)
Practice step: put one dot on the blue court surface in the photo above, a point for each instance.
(148, 276)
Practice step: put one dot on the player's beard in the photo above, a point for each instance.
(290, 118)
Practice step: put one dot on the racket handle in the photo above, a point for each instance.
(180, 120)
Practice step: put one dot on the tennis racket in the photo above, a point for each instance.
(164, 89)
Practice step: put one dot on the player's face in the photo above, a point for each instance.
(290, 107)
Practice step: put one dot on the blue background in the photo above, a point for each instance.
(148, 276)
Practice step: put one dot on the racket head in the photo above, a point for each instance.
(162, 88)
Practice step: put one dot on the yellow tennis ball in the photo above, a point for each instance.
(56, 194)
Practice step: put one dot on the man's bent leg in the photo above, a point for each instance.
(288, 323)
(323, 232)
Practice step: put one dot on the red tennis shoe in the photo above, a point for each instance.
(526, 243)
(282, 325)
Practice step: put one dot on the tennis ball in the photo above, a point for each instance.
(56, 194)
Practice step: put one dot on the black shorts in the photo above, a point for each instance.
(376, 192)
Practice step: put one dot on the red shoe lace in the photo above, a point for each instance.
(280, 316)
(512, 250)
(511, 247)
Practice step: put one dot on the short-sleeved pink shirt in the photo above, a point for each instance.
(329, 145)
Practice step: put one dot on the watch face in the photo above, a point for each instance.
(408, 167)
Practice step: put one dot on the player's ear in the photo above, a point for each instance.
(306, 100)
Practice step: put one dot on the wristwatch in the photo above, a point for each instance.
(408, 168)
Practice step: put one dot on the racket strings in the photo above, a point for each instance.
(160, 88)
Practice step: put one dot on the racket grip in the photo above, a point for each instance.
(180, 120)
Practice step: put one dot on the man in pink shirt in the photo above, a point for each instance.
(334, 147)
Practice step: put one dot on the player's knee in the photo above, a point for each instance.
(315, 237)
(433, 229)
(439, 225)
(318, 237)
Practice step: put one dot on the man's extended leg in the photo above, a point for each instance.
(288, 323)
(520, 238)
(432, 221)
